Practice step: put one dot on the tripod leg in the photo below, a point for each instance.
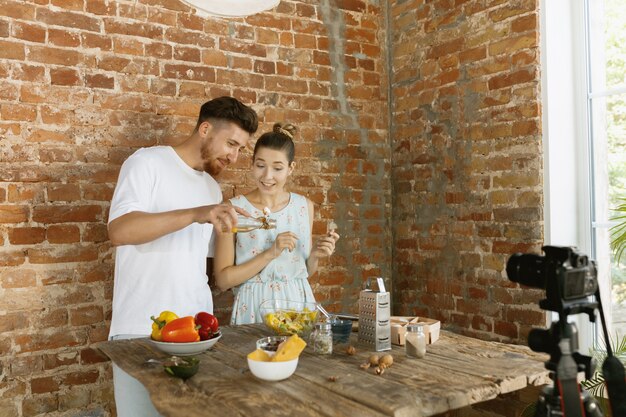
(615, 380)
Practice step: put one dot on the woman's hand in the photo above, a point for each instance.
(284, 240)
(325, 245)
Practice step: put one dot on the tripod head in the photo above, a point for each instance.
(549, 341)
(570, 280)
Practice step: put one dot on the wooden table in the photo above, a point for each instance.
(457, 371)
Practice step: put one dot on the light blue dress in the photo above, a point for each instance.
(284, 278)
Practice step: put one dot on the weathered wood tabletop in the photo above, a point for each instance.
(457, 371)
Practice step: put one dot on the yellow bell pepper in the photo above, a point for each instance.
(160, 322)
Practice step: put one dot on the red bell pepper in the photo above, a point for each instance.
(208, 325)
(181, 330)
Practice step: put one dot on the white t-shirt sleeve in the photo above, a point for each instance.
(134, 188)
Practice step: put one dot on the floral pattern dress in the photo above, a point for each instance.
(284, 278)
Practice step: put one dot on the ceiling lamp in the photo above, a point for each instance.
(231, 8)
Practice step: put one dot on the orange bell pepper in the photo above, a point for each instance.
(182, 330)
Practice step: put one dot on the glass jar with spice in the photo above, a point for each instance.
(322, 339)
(415, 341)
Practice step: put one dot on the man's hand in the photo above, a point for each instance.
(222, 216)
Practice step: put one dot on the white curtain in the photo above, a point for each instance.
(231, 8)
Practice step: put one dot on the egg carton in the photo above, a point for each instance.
(374, 319)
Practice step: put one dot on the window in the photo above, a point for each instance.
(606, 100)
(584, 93)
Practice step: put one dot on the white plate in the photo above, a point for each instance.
(186, 349)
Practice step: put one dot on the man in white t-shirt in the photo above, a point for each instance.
(164, 209)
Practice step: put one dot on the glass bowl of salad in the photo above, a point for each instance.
(286, 317)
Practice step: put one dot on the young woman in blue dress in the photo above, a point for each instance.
(271, 264)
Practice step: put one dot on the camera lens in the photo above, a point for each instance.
(526, 269)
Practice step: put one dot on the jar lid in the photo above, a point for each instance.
(415, 328)
(323, 325)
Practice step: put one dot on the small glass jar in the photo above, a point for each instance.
(248, 224)
(322, 339)
(415, 341)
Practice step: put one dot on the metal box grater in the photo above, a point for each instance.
(374, 324)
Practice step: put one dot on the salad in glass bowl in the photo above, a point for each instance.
(286, 317)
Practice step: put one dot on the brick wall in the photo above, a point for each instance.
(466, 161)
(83, 83)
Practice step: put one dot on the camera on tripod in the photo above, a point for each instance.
(568, 277)
(570, 280)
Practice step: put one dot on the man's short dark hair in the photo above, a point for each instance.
(229, 109)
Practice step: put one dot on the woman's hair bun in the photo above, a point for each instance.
(288, 129)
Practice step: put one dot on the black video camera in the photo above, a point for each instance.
(568, 277)
(570, 280)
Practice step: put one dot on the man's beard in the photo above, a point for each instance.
(210, 165)
(212, 168)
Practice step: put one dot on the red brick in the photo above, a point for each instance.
(63, 214)
(90, 356)
(99, 81)
(196, 39)
(101, 7)
(4, 29)
(160, 16)
(94, 40)
(237, 46)
(25, 192)
(98, 274)
(190, 21)
(13, 320)
(127, 46)
(186, 72)
(68, 19)
(159, 50)
(56, 155)
(21, 112)
(8, 91)
(54, 115)
(13, 214)
(43, 385)
(81, 378)
(48, 256)
(76, 5)
(63, 192)
(183, 53)
(163, 87)
(63, 234)
(26, 72)
(51, 318)
(18, 10)
(264, 67)
(42, 135)
(86, 315)
(63, 38)
(188, 89)
(26, 235)
(525, 23)
(29, 32)
(58, 360)
(65, 76)
(54, 56)
(58, 338)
